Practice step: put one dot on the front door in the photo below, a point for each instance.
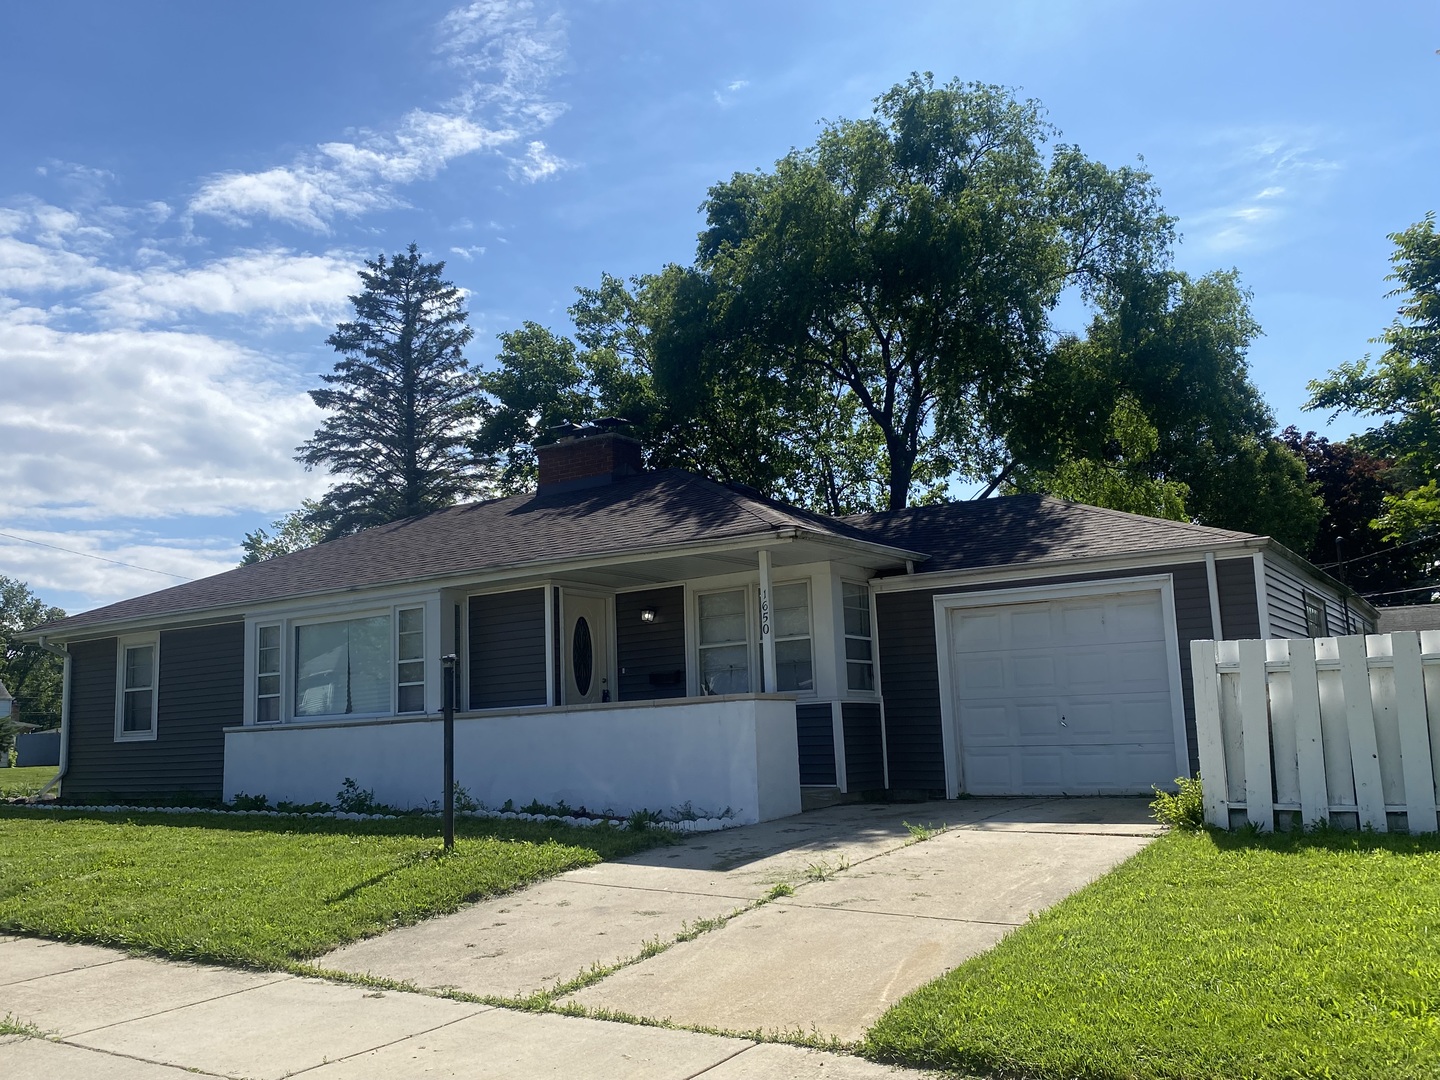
(585, 649)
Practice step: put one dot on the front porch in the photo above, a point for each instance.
(735, 752)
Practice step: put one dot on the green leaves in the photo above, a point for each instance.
(32, 675)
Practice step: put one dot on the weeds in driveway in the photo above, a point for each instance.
(920, 833)
(11, 1025)
(1207, 955)
(783, 888)
(823, 871)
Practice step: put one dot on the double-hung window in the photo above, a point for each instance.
(859, 642)
(724, 642)
(137, 707)
(790, 610)
(267, 674)
(410, 661)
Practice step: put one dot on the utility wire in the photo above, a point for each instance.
(1434, 586)
(98, 558)
(1377, 554)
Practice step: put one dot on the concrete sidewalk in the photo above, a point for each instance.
(109, 1015)
(873, 914)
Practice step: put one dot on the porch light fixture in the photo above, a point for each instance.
(647, 615)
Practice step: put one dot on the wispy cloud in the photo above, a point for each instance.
(505, 54)
(725, 96)
(1256, 180)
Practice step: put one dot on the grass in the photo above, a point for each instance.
(1207, 955)
(15, 783)
(265, 892)
(10, 1025)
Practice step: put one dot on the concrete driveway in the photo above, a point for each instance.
(873, 914)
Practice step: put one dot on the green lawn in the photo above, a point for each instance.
(1206, 955)
(264, 891)
(17, 782)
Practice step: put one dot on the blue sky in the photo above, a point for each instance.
(186, 191)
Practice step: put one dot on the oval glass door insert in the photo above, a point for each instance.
(582, 656)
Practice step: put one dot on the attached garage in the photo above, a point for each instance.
(1061, 690)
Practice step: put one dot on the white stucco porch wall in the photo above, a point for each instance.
(738, 752)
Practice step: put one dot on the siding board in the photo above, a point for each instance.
(200, 692)
(651, 656)
(815, 729)
(909, 669)
(864, 753)
(507, 649)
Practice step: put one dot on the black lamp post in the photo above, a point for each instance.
(447, 805)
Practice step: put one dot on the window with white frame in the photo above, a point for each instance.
(137, 707)
(790, 614)
(724, 642)
(343, 667)
(267, 674)
(859, 641)
(410, 661)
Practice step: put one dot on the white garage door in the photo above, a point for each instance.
(1067, 696)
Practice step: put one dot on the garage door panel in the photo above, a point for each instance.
(1067, 696)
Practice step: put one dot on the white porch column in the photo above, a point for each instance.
(767, 628)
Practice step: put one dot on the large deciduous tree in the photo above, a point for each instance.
(32, 675)
(1401, 388)
(400, 400)
(906, 266)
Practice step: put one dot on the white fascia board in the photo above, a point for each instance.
(1063, 567)
(363, 594)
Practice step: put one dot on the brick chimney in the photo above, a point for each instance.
(589, 458)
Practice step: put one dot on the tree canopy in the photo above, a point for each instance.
(32, 675)
(1402, 388)
(400, 400)
(906, 267)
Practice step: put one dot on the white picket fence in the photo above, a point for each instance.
(1347, 726)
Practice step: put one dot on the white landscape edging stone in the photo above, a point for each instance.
(686, 825)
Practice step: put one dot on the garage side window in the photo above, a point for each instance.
(859, 643)
(794, 666)
(724, 643)
(267, 674)
(1317, 624)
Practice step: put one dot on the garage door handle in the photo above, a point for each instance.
(1062, 722)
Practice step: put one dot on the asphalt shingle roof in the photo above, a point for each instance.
(651, 510)
(1021, 529)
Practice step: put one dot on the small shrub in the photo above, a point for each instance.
(1182, 809)
(353, 799)
(285, 806)
(249, 802)
(641, 820)
(465, 803)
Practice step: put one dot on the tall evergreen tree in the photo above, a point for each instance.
(400, 400)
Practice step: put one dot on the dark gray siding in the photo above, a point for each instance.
(651, 655)
(816, 732)
(1239, 607)
(201, 692)
(507, 649)
(909, 669)
(864, 752)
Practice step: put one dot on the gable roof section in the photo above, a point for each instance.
(1020, 529)
(655, 510)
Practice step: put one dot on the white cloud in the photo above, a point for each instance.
(133, 424)
(725, 97)
(538, 163)
(88, 569)
(1257, 179)
(506, 54)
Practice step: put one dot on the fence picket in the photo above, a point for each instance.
(1282, 721)
(1210, 742)
(1255, 731)
(1360, 722)
(1309, 749)
(1415, 760)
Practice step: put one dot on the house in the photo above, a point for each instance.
(627, 638)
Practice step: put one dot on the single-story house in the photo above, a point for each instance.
(628, 638)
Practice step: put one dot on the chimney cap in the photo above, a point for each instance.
(600, 425)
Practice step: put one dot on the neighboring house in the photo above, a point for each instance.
(7, 703)
(1409, 617)
(637, 639)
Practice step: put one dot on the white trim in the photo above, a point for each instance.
(553, 597)
(767, 627)
(1147, 560)
(846, 690)
(1262, 596)
(879, 690)
(122, 645)
(837, 732)
(944, 604)
(1212, 585)
(752, 646)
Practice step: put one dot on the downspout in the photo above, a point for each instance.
(61, 651)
